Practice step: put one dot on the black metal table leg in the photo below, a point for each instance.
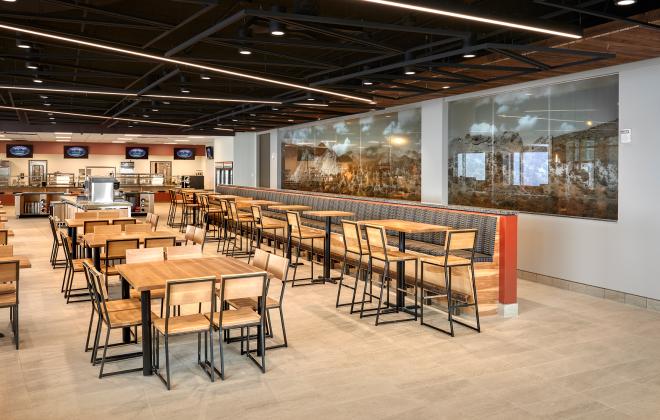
(96, 256)
(125, 294)
(401, 274)
(326, 252)
(145, 298)
(73, 234)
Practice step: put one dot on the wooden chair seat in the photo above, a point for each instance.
(122, 305)
(252, 303)
(7, 299)
(155, 294)
(452, 261)
(110, 271)
(78, 264)
(181, 324)
(126, 318)
(242, 316)
(394, 256)
(7, 288)
(268, 223)
(309, 233)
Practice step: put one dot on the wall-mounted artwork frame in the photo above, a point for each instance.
(76, 152)
(184, 153)
(19, 151)
(137, 152)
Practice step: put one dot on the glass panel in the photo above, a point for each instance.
(376, 156)
(550, 149)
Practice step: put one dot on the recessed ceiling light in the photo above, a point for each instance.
(123, 138)
(166, 103)
(63, 140)
(290, 120)
(204, 77)
(154, 110)
(31, 66)
(277, 33)
(117, 141)
(51, 118)
(43, 96)
(185, 90)
(62, 137)
(37, 80)
(473, 18)
(625, 2)
(46, 104)
(223, 129)
(244, 51)
(311, 99)
(410, 72)
(234, 120)
(61, 133)
(53, 122)
(182, 63)
(469, 55)
(170, 142)
(446, 87)
(367, 82)
(22, 44)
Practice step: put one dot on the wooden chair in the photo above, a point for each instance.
(183, 252)
(176, 201)
(137, 228)
(86, 215)
(109, 214)
(4, 236)
(353, 246)
(73, 266)
(115, 250)
(161, 241)
(262, 224)
(209, 215)
(239, 223)
(57, 243)
(107, 229)
(152, 221)
(301, 233)
(6, 250)
(224, 221)
(124, 222)
(111, 306)
(199, 237)
(459, 252)
(241, 286)
(278, 268)
(189, 234)
(112, 320)
(189, 210)
(9, 292)
(260, 259)
(379, 251)
(186, 292)
(90, 225)
(141, 255)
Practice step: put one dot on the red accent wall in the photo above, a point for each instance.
(44, 147)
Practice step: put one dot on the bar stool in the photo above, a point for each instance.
(459, 252)
(262, 224)
(301, 233)
(57, 243)
(352, 245)
(72, 267)
(239, 223)
(189, 210)
(176, 201)
(379, 251)
(208, 215)
(224, 225)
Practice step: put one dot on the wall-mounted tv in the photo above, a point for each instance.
(184, 153)
(209, 152)
(137, 153)
(76, 152)
(19, 150)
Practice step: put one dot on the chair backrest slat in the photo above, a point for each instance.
(144, 255)
(107, 229)
(260, 259)
(124, 222)
(184, 252)
(243, 286)
(109, 214)
(376, 241)
(463, 240)
(116, 248)
(90, 225)
(162, 242)
(6, 250)
(137, 228)
(9, 272)
(86, 215)
(352, 236)
(188, 291)
(4, 236)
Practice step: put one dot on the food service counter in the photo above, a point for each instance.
(75, 205)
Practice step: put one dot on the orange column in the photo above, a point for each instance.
(508, 259)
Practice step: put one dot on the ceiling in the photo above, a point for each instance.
(68, 137)
(194, 80)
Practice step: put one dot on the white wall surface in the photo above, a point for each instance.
(274, 160)
(434, 156)
(245, 159)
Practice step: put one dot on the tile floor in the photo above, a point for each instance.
(567, 355)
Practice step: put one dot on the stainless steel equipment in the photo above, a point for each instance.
(100, 189)
(141, 202)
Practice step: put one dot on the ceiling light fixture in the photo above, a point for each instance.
(130, 94)
(37, 80)
(22, 44)
(62, 140)
(625, 2)
(473, 18)
(275, 27)
(367, 82)
(62, 133)
(223, 129)
(181, 63)
(100, 117)
(446, 87)
(121, 142)
(204, 77)
(469, 55)
(31, 66)
(185, 90)
(133, 135)
(308, 104)
(244, 51)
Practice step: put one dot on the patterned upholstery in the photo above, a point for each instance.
(366, 208)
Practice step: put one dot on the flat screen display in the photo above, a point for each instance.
(137, 153)
(19, 150)
(181, 153)
(209, 152)
(76, 152)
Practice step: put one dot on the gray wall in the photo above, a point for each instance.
(245, 159)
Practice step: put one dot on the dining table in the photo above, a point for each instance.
(246, 204)
(327, 215)
(73, 225)
(149, 276)
(404, 227)
(96, 241)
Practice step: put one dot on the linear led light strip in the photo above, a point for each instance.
(182, 63)
(104, 92)
(100, 117)
(473, 18)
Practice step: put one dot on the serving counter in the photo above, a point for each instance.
(75, 205)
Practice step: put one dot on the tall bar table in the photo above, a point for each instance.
(328, 215)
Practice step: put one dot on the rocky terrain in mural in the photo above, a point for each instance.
(574, 174)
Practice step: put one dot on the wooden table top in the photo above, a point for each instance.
(229, 197)
(98, 240)
(329, 213)
(291, 207)
(23, 262)
(81, 222)
(250, 203)
(405, 226)
(154, 275)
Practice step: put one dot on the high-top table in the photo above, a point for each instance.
(96, 241)
(328, 215)
(403, 227)
(145, 277)
(73, 225)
